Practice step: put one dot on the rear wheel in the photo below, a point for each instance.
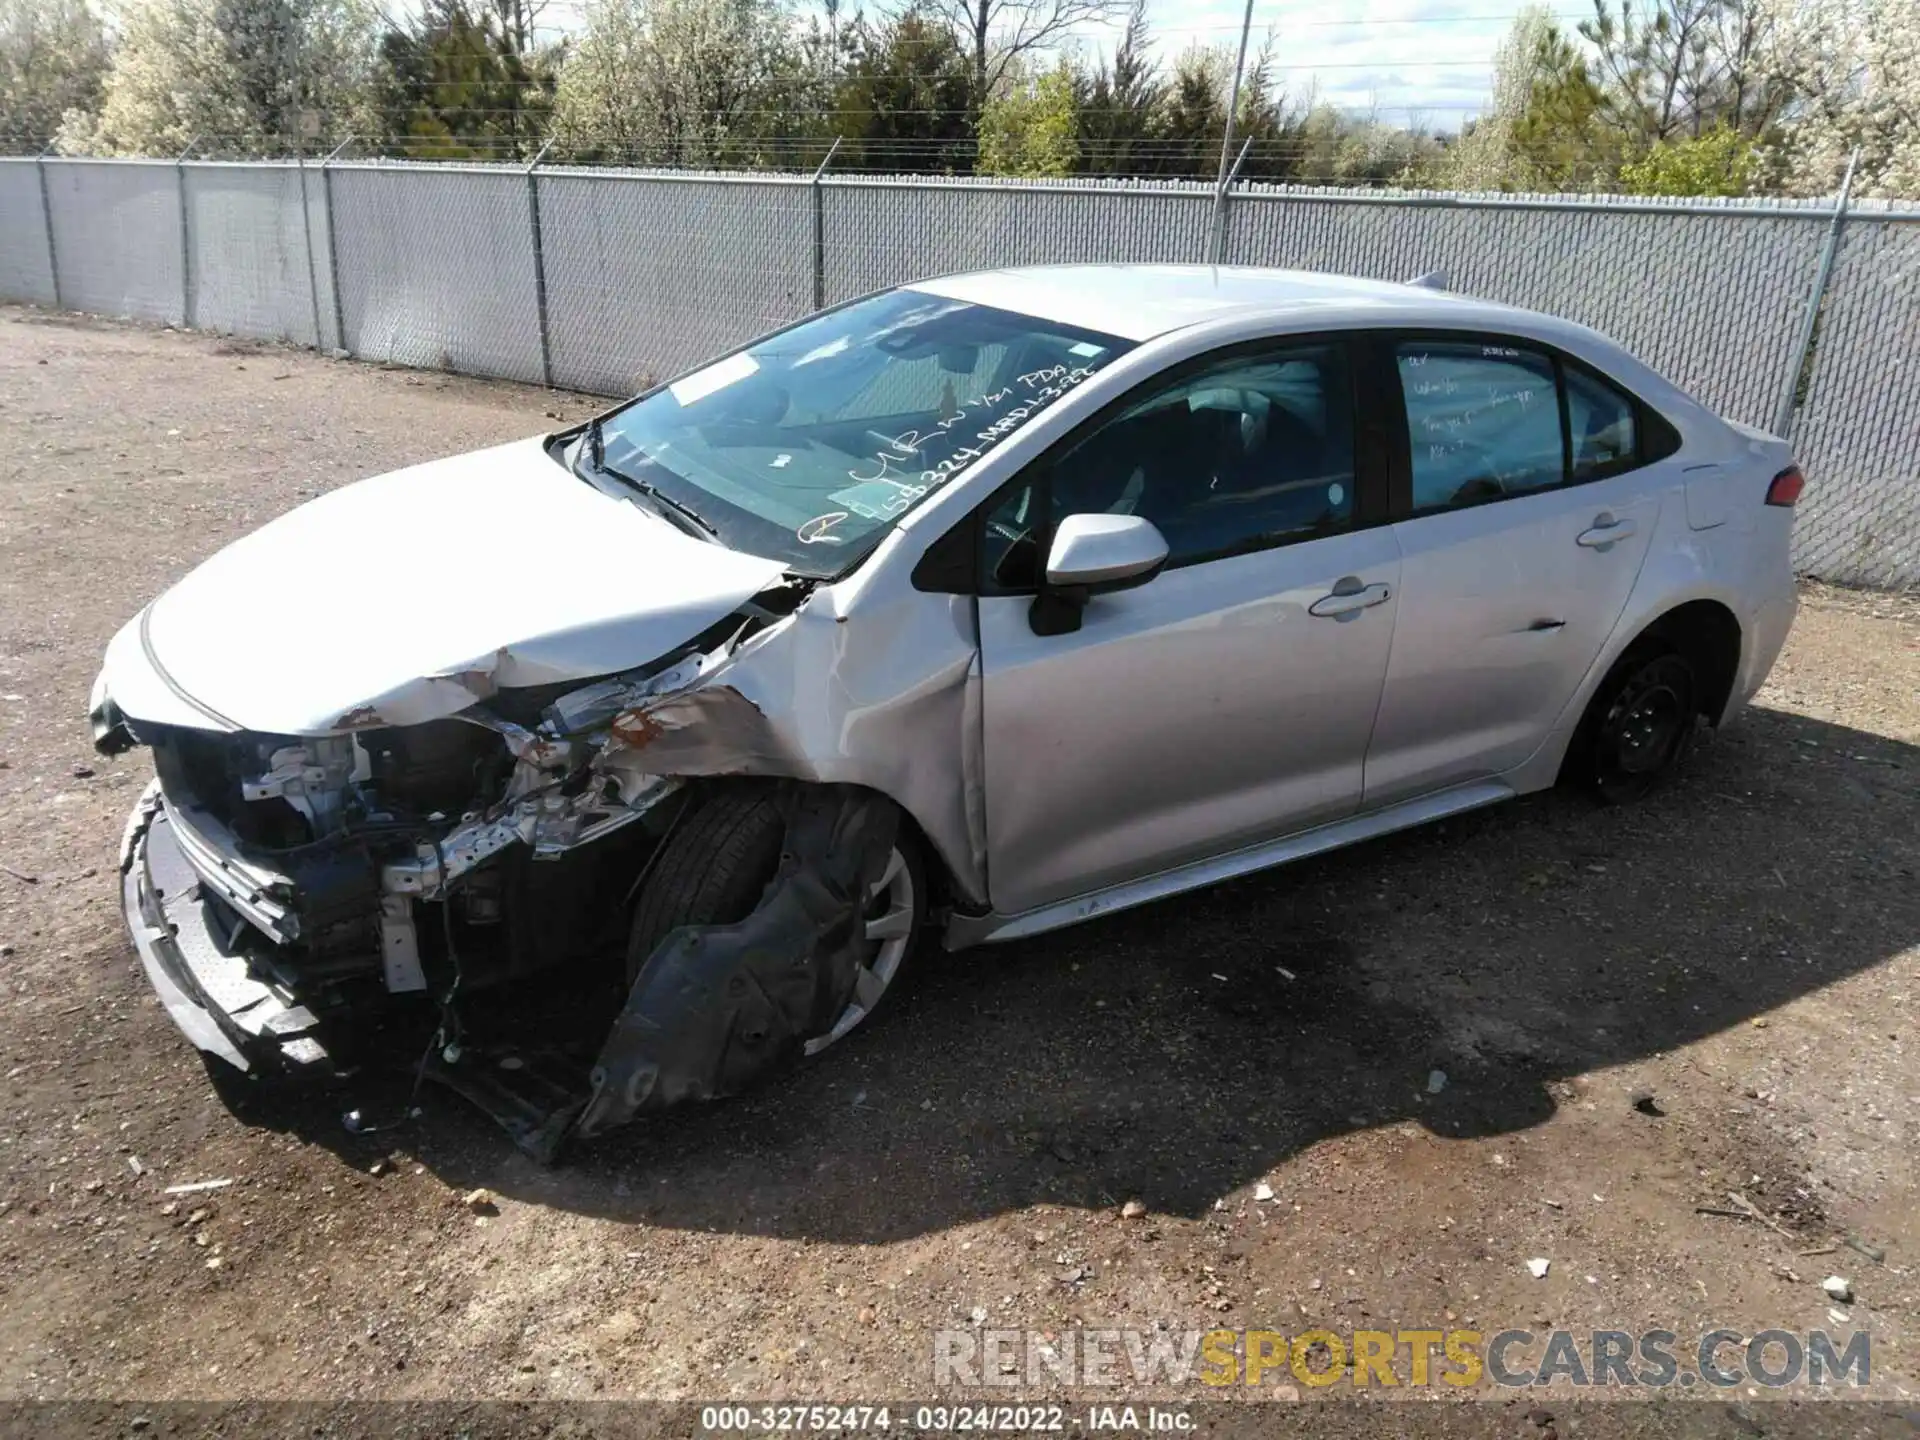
(718, 862)
(1638, 724)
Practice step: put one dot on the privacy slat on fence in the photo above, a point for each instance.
(1657, 283)
(26, 265)
(258, 255)
(878, 235)
(647, 274)
(116, 233)
(1858, 434)
(436, 268)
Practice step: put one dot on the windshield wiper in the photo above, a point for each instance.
(679, 508)
(676, 510)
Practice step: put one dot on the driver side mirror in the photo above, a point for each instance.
(1094, 555)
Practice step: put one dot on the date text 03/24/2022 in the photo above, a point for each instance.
(942, 1419)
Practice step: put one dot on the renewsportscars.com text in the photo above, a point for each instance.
(1652, 1359)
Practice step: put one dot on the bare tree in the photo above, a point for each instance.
(999, 32)
(519, 22)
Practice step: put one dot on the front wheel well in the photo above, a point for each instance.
(945, 891)
(1708, 634)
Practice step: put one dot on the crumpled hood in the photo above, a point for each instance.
(408, 597)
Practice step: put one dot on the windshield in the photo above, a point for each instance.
(808, 446)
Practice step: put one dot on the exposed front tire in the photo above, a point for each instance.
(1638, 724)
(717, 863)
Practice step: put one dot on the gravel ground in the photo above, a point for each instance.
(1745, 947)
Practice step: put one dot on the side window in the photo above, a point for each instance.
(1483, 422)
(1010, 537)
(1240, 455)
(1600, 422)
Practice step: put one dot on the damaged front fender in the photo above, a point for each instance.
(853, 688)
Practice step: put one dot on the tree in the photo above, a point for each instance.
(1193, 112)
(1852, 68)
(1684, 67)
(454, 85)
(1115, 105)
(53, 59)
(999, 34)
(230, 76)
(682, 82)
(1683, 91)
(516, 22)
(1720, 162)
(1569, 138)
(1271, 132)
(1484, 157)
(905, 98)
(1028, 128)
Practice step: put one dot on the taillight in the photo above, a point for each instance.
(1786, 487)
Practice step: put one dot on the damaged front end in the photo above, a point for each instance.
(453, 896)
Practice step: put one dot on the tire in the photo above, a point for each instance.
(718, 862)
(712, 870)
(1638, 724)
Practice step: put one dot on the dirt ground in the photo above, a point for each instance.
(1745, 947)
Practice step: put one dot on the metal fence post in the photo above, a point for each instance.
(1803, 347)
(333, 245)
(820, 229)
(46, 211)
(186, 235)
(539, 264)
(306, 243)
(1218, 245)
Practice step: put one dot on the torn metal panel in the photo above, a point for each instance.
(400, 946)
(312, 778)
(205, 984)
(717, 1007)
(887, 703)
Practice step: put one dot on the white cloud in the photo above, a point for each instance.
(1433, 58)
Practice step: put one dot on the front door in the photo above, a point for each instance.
(1231, 698)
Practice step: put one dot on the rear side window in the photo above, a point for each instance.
(1601, 425)
(1490, 417)
(1483, 422)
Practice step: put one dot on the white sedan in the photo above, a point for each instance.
(985, 604)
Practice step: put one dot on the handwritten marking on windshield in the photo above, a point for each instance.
(880, 475)
(1048, 385)
(878, 499)
(819, 530)
(890, 490)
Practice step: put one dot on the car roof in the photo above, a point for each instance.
(1138, 302)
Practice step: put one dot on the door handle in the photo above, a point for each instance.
(1350, 597)
(1605, 531)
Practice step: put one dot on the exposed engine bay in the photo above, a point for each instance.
(317, 904)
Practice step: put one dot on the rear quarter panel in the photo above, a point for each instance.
(1742, 561)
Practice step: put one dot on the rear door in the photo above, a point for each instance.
(1230, 698)
(1525, 504)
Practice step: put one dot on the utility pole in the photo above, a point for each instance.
(1233, 97)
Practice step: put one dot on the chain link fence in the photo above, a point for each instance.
(607, 280)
